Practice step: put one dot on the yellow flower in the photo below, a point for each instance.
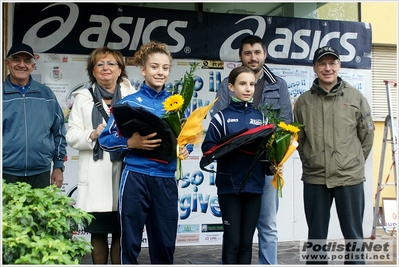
(283, 125)
(289, 128)
(293, 129)
(173, 103)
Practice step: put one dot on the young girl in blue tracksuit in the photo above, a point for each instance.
(148, 192)
(240, 211)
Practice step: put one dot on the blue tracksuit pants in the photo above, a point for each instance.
(150, 201)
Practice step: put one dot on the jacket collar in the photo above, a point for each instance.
(13, 88)
(268, 74)
(241, 106)
(152, 93)
(317, 89)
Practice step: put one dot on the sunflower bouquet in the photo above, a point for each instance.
(187, 130)
(180, 98)
(281, 144)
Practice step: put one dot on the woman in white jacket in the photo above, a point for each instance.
(99, 171)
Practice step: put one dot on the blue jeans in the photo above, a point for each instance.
(267, 226)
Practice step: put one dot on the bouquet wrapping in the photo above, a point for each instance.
(284, 147)
(281, 145)
(186, 130)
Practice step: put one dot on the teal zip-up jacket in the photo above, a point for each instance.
(337, 137)
(33, 130)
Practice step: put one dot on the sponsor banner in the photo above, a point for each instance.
(207, 228)
(212, 238)
(188, 228)
(346, 250)
(78, 28)
(188, 238)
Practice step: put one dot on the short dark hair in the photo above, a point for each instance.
(251, 39)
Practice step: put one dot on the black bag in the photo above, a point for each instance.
(251, 141)
(137, 119)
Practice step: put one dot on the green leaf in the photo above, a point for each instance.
(188, 88)
(281, 145)
(173, 120)
(22, 199)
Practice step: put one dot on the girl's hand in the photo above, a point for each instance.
(183, 153)
(143, 142)
(273, 169)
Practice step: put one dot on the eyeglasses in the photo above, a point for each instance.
(332, 65)
(26, 61)
(110, 64)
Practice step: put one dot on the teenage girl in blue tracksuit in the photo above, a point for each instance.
(240, 211)
(148, 191)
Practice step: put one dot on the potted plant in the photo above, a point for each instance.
(38, 226)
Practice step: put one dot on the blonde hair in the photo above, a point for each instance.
(142, 54)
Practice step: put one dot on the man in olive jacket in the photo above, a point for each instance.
(333, 147)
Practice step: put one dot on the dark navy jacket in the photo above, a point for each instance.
(232, 168)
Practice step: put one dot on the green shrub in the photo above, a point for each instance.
(38, 226)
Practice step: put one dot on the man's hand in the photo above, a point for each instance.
(57, 177)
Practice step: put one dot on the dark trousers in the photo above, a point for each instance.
(40, 180)
(349, 203)
(150, 201)
(240, 213)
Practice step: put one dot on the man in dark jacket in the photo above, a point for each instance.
(33, 125)
(272, 91)
(333, 147)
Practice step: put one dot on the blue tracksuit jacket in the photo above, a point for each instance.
(33, 130)
(110, 141)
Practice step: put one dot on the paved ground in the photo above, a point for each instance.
(288, 254)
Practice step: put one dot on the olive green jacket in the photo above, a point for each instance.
(337, 137)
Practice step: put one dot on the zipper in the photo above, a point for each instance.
(26, 137)
(245, 114)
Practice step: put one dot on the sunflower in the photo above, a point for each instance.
(173, 103)
(288, 128)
